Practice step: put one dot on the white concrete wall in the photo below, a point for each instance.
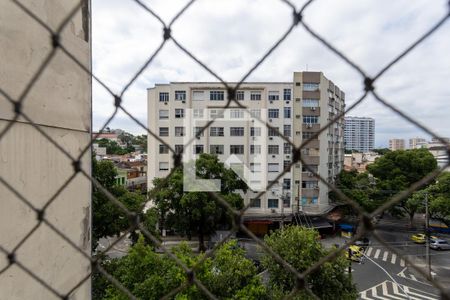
(60, 103)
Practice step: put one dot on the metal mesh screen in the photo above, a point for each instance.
(367, 88)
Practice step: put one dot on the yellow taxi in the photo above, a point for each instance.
(355, 252)
(420, 238)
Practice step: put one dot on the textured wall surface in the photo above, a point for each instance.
(60, 103)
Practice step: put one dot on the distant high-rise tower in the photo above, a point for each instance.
(396, 144)
(359, 134)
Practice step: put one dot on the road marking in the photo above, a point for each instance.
(369, 251)
(385, 255)
(394, 258)
(402, 263)
(391, 290)
(413, 277)
(377, 253)
(412, 291)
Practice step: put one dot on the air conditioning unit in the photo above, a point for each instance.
(270, 120)
(270, 138)
(273, 155)
(287, 102)
(288, 156)
(313, 108)
(273, 210)
(297, 99)
(310, 174)
(316, 187)
(271, 102)
(165, 103)
(309, 126)
(298, 116)
(183, 101)
(254, 138)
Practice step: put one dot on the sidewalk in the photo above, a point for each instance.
(329, 242)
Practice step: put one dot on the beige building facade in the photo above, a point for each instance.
(178, 110)
(59, 103)
(396, 144)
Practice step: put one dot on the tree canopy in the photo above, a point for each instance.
(300, 247)
(197, 212)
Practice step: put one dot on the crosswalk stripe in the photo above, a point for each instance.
(369, 251)
(391, 290)
(410, 292)
(385, 255)
(413, 277)
(402, 263)
(377, 253)
(394, 258)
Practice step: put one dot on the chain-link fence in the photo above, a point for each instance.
(57, 46)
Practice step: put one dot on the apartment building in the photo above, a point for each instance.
(178, 110)
(359, 134)
(417, 143)
(396, 144)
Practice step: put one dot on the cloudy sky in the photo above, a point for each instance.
(230, 36)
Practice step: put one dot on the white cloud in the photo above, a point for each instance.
(231, 36)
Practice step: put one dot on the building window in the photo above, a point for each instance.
(163, 149)
(274, 95)
(255, 131)
(287, 112)
(273, 131)
(179, 149)
(286, 164)
(255, 149)
(198, 131)
(287, 183)
(163, 131)
(272, 203)
(198, 149)
(216, 113)
(255, 113)
(236, 114)
(180, 95)
(310, 119)
(273, 149)
(310, 103)
(216, 131)
(179, 131)
(307, 135)
(240, 95)
(273, 113)
(315, 200)
(255, 203)
(163, 114)
(255, 95)
(216, 149)
(287, 94)
(198, 95)
(236, 149)
(179, 113)
(216, 95)
(163, 97)
(164, 166)
(310, 86)
(236, 131)
(273, 167)
(198, 113)
(310, 167)
(287, 130)
(309, 184)
(287, 148)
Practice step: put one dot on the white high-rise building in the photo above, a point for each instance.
(178, 110)
(417, 143)
(359, 134)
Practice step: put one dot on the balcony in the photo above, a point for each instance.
(311, 111)
(310, 193)
(311, 160)
(313, 144)
(310, 127)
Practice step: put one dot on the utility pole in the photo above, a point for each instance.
(349, 262)
(427, 228)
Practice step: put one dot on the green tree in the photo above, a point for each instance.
(197, 212)
(301, 249)
(397, 170)
(148, 275)
(381, 151)
(108, 219)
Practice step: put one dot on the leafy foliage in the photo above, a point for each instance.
(197, 212)
(148, 275)
(301, 249)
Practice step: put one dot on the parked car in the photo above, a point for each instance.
(439, 244)
(420, 238)
(355, 253)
